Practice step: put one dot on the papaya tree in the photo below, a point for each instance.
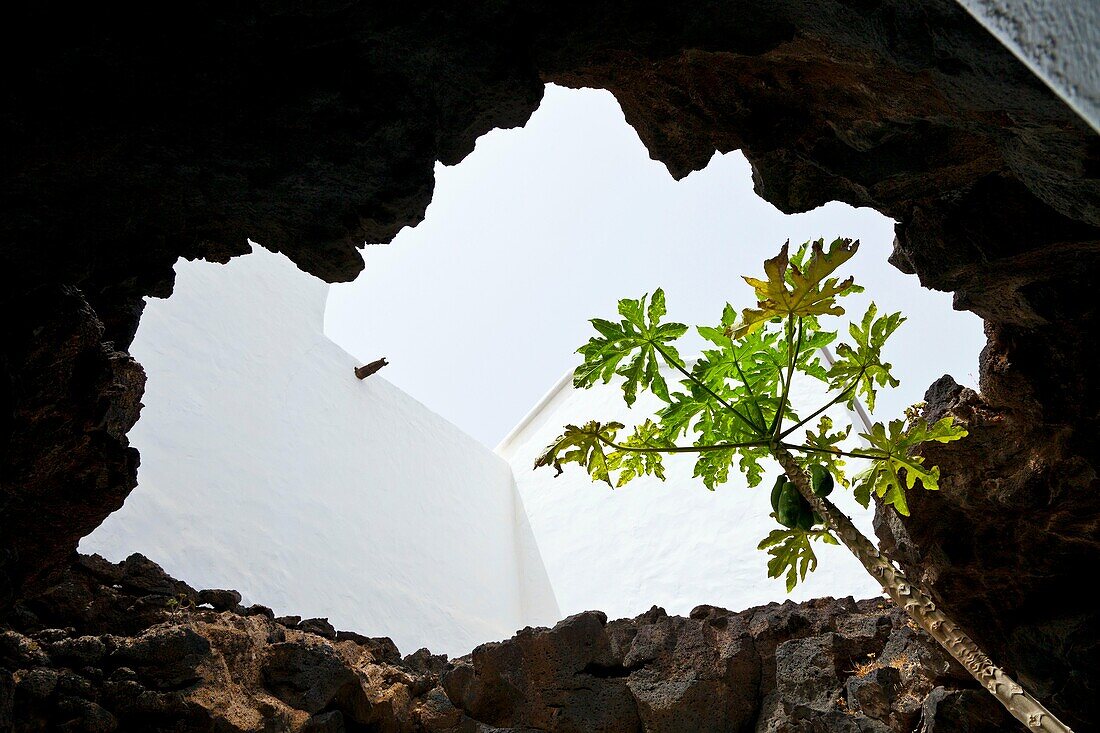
(731, 408)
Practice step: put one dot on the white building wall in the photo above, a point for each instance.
(672, 544)
(1059, 40)
(266, 466)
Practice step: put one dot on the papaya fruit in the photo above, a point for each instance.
(776, 490)
(791, 504)
(805, 517)
(821, 480)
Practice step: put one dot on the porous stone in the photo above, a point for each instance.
(824, 665)
(220, 600)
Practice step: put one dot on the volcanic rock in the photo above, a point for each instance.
(823, 665)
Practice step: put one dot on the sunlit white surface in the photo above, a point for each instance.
(673, 543)
(267, 467)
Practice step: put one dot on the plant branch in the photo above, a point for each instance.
(792, 357)
(810, 449)
(835, 400)
(711, 392)
(680, 448)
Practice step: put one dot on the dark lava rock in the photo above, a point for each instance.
(960, 711)
(319, 626)
(424, 662)
(167, 656)
(330, 722)
(291, 622)
(81, 650)
(86, 716)
(305, 675)
(141, 573)
(257, 610)
(7, 699)
(381, 648)
(834, 665)
(220, 600)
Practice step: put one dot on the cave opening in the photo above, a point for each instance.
(267, 468)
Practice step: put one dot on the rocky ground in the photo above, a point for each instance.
(127, 648)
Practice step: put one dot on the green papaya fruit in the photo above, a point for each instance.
(776, 490)
(790, 506)
(821, 480)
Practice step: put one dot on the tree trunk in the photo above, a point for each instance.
(919, 605)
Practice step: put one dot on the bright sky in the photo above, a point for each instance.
(480, 308)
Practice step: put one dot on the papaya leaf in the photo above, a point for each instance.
(583, 445)
(632, 348)
(632, 463)
(824, 441)
(714, 427)
(861, 369)
(798, 259)
(797, 290)
(792, 554)
(750, 463)
(714, 467)
(680, 413)
(895, 469)
(752, 367)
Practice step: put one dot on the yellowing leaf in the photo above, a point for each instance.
(584, 445)
(894, 468)
(793, 291)
(638, 458)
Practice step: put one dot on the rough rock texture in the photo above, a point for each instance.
(124, 648)
(131, 140)
(1007, 540)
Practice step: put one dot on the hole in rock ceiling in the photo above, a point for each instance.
(480, 307)
(268, 467)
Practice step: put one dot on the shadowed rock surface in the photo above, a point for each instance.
(125, 648)
(131, 141)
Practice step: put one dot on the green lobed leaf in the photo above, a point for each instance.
(631, 348)
(824, 441)
(582, 445)
(895, 468)
(632, 464)
(861, 369)
(792, 554)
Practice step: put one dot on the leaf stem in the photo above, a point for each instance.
(711, 392)
(806, 448)
(681, 448)
(745, 381)
(835, 400)
(792, 357)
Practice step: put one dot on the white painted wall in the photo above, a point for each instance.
(269, 468)
(673, 544)
(1059, 40)
(266, 466)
